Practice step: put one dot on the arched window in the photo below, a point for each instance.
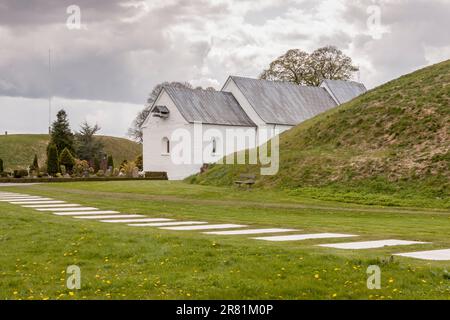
(214, 146)
(165, 146)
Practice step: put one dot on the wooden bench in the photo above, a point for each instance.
(246, 180)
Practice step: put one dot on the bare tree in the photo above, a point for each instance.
(302, 68)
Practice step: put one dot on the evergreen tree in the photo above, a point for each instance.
(66, 159)
(110, 162)
(35, 165)
(61, 135)
(96, 165)
(52, 159)
(88, 148)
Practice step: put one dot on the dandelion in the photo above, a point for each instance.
(71, 294)
(334, 295)
(317, 276)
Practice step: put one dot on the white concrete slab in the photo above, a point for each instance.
(87, 213)
(163, 224)
(67, 205)
(205, 227)
(111, 216)
(20, 199)
(13, 184)
(38, 202)
(69, 209)
(435, 255)
(297, 237)
(250, 231)
(137, 220)
(370, 244)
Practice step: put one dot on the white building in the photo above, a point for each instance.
(188, 127)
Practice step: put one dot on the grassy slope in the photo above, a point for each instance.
(17, 151)
(120, 262)
(394, 140)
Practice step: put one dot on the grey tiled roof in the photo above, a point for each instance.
(344, 91)
(283, 102)
(209, 107)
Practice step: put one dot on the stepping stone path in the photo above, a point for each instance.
(436, 255)
(61, 208)
(135, 220)
(296, 237)
(38, 202)
(51, 205)
(249, 231)
(68, 209)
(370, 244)
(111, 216)
(163, 224)
(206, 227)
(85, 213)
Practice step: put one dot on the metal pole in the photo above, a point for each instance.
(49, 92)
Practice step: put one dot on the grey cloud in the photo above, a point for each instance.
(114, 60)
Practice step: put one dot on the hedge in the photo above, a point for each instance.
(78, 179)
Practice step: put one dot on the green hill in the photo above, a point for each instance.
(18, 150)
(394, 139)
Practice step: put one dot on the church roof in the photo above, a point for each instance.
(209, 107)
(344, 91)
(283, 102)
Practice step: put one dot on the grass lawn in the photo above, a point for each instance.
(122, 262)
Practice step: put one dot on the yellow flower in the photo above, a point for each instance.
(317, 276)
(71, 293)
(391, 280)
(334, 295)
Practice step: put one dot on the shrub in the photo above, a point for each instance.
(20, 173)
(80, 167)
(110, 162)
(66, 159)
(4, 174)
(123, 164)
(128, 169)
(52, 160)
(100, 173)
(139, 162)
(115, 172)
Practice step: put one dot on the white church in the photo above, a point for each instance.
(188, 128)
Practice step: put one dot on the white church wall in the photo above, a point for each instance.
(190, 144)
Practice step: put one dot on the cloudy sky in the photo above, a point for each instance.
(103, 71)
